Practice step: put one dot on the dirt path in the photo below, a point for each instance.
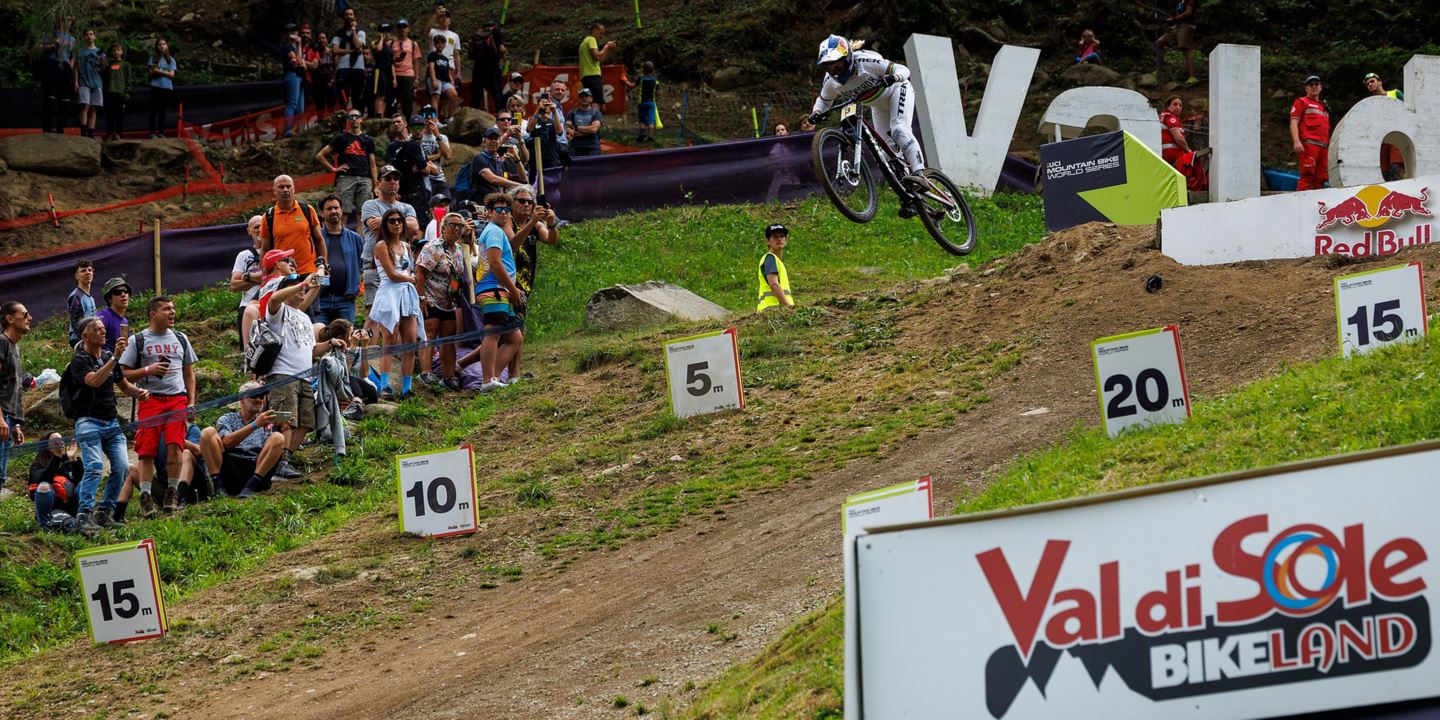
(563, 645)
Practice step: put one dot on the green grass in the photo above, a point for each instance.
(713, 251)
(713, 254)
(1386, 398)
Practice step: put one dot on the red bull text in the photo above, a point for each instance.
(1370, 209)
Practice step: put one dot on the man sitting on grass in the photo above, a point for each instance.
(241, 450)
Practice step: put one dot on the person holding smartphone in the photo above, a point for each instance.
(161, 361)
(292, 398)
(242, 450)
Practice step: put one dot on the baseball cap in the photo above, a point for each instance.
(516, 76)
(776, 229)
(250, 387)
(492, 132)
(439, 198)
(1313, 78)
(274, 256)
(402, 22)
(113, 285)
(388, 170)
(1368, 76)
(291, 26)
(385, 27)
(585, 91)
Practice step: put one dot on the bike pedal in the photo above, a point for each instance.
(906, 213)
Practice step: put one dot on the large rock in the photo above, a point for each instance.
(731, 78)
(52, 154)
(651, 303)
(469, 126)
(1086, 74)
(147, 157)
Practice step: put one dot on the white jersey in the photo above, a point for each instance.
(867, 65)
(893, 105)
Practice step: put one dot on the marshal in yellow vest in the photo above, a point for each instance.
(767, 297)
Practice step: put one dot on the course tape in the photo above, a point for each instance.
(185, 413)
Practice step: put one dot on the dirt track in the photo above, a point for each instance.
(561, 646)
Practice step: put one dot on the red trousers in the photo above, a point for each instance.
(1314, 167)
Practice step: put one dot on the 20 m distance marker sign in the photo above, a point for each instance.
(704, 373)
(1380, 307)
(437, 492)
(1141, 379)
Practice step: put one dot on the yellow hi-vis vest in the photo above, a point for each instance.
(767, 297)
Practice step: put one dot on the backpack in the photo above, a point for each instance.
(461, 189)
(69, 394)
(310, 223)
(138, 342)
(264, 348)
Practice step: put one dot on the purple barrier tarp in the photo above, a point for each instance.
(191, 259)
(203, 104)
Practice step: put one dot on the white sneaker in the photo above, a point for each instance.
(494, 384)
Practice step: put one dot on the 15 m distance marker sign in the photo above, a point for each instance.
(1380, 307)
(121, 585)
(704, 373)
(1140, 379)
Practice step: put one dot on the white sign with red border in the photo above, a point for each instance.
(703, 372)
(1380, 307)
(437, 492)
(903, 503)
(121, 587)
(1140, 379)
(1290, 590)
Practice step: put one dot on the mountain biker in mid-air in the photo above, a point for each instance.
(846, 68)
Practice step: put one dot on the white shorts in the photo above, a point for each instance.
(94, 97)
(443, 87)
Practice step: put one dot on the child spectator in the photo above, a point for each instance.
(117, 93)
(162, 85)
(80, 304)
(1089, 50)
(89, 86)
(648, 110)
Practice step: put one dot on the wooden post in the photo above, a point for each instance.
(159, 288)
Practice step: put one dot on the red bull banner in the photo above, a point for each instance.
(1362, 221)
(539, 78)
(1304, 588)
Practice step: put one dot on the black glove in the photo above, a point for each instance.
(814, 118)
(889, 80)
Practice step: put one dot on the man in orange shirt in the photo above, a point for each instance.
(293, 225)
(1310, 135)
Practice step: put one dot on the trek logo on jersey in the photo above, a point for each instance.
(1322, 604)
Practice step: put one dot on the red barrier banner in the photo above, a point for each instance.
(540, 77)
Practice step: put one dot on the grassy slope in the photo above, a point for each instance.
(39, 603)
(1334, 406)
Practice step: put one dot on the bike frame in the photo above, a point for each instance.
(866, 136)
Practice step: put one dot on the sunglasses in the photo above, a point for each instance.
(395, 221)
(524, 201)
(453, 226)
(500, 209)
(500, 120)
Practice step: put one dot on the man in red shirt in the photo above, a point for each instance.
(1310, 135)
(293, 225)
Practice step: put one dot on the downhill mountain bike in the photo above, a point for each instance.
(843, 157)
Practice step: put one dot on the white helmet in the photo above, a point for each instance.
(832, 49)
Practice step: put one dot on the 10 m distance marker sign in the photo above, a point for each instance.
(1380, 307)
(704, 373)
(1140, 379)
(437, 492)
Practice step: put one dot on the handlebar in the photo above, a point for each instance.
(849, 99)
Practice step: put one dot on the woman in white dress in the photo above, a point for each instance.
(396, 311)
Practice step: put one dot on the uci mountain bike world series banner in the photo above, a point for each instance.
(1268, 593)
(1108, 178)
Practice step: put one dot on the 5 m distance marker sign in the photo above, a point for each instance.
(703, 372)
(1380, 307)
(1140, 379)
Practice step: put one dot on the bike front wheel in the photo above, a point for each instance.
(849, 184)
(943, 210)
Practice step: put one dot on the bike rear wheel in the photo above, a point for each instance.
(944, 211)
(851, 188)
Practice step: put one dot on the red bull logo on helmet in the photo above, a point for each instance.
(1372, 207)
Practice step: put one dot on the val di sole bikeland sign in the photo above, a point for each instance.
(1295, 589)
